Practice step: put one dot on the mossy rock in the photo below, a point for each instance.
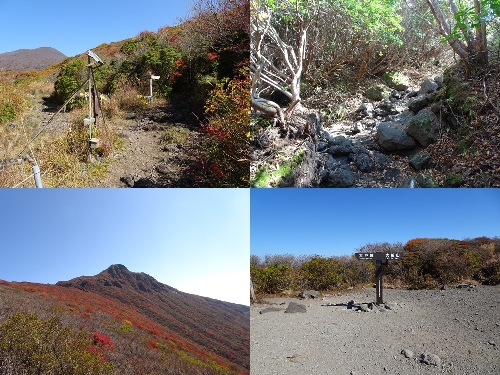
(458, 93)
(396, 80)
(378, 92)
(453, 180)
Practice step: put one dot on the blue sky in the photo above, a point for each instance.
(73, 27)
(195, 240)
(330, 222)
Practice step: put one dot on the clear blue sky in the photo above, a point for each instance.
(330, 222)
(195, 240)
(73, 27)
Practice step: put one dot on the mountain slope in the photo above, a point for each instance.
(30, 59)
(221, 327)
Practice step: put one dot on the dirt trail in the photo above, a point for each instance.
(460, 326)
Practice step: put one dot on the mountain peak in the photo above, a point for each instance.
(30, 59)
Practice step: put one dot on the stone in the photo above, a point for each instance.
(428, 86)
(364, 162)
(409, 182)
(366, 108)
(390, 305)
(11, 125)
(439, 81)
(420, 127)
(341, 177)
(321, 146)
(364, 307)
(270, 309)
(430, 359)
(421, 161)
(163, 169)
(378, 92)
(130, 116)
(417, 103)
(309, 293)
(426, 181)
(128, 180)
(294, 307)
(396, 80)
(392, 136)
(407, 353)
(357, 127)
(453, 180)
(340, 145)
(332, 163)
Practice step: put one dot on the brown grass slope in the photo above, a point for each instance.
(30, 59)
(221, 327)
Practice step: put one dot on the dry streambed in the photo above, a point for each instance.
(458, 331)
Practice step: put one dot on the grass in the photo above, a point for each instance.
(175, 134)
(266, 177)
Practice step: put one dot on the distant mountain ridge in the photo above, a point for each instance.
(205, 321)
(30, 59)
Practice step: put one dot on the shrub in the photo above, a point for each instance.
(271, 279)
(7, 112)
(29, 345)
(322, 273)
(68, 81)
(227, 148)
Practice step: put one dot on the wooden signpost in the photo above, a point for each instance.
(151, 77)
(381, 260)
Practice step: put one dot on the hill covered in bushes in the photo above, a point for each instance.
(427, 263)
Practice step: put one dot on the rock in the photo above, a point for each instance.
(364, 307)
(430, 359)
(392, 136)
(294, 307)
(439, 81)
(378, 92)
(420, 127)
(309, 293)
(366, 108)
(409, 182)
(396, 80)
(453, 180)
(421, 161)
(11, 125)
(390, 305)
(163, 169)
(332, 163)
(357, 127)
(444, 287)
(128, 180)
(492, 343)
(427, 86)
(321, 146)
(390, 107)
(364, 163)
(340, 145)
(270, 309)
(341, 177)
(417, 103)
(426, 181)
(143, 182)
(130, 116)
(407, 353)
(160, 117)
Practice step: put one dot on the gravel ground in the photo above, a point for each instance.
(460, 326)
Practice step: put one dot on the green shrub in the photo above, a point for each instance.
(68, 81)
(322, 273)
(7, 112)
(271, 279)
(29, 345)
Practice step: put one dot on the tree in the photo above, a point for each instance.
(468, 36)
(285, 36)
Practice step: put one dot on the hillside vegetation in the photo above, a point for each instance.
(52, 329)
(426, 263)
(202, 65)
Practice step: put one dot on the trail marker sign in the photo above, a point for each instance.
(150, 77)
(381, 259)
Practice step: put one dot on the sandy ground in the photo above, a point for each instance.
(460, 326)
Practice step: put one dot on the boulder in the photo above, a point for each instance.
(396, 80)
(453, 180)
(270, 309)
(294, 307)
(340, 145)
(430, 359)
(392, 136)
(421, 161)
(309, 293)
(427, 86)
(364, 307)
(378, 92)
(364, 162)
(409, 182)
(420, 127)
(341, 177)
(417, 103)
(366, 108)
(426, 181)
